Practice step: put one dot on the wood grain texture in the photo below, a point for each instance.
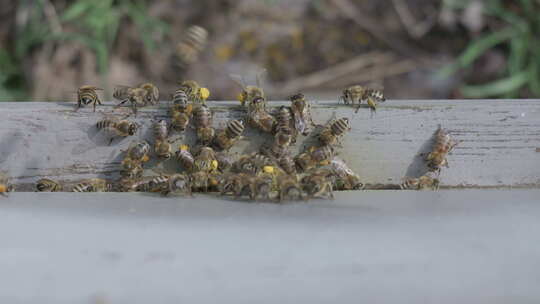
(499, 148)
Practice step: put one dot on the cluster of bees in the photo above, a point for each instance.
(271, 173)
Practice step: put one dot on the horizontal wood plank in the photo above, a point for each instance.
(499, 148)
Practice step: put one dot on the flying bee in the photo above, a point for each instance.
(152, 93)
(87, 95)
(206, 160)
(331, 134)
(139, 151)
(430, 180)
(317, 186)
(301, 109)
(131, 169)
(93, 185)
(163, 149)
(48, 185)
(290, 189)
(117, 127)
(194, 92)
(185, 158)
(226, 138)
(136, 96)
(259, 118)
(190, 46)
(359, 94)
(249, 92)
(5, 185)
(444, 144)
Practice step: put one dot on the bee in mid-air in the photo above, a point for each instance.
(358, 94)
(202, 119)
(301, 109)
(87, 95)
(226, 138)
(5, 185)
(331, 134)
(444, 144)
(430, 180)
(316, 185)
(258, 117)
(190, 46)
(290, 189)
(93, 185)
(136, 96)
(117, 127)
(152, 93)
(185, 158)
(194, 91)
(48, 185)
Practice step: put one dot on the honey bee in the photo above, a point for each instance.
(152, 93)
(202, 119)
(202, 181)
(5, 185)
(430, 180)
(185, 158)
(176, 183)
(139, 151)
(284, 119)
(161, 132)
(194, 92)
(258, 117)
(317, 186)
(117, 127)
(190, 46)
(331, 134)
(252, 163)
(261, 186)
(93, 185)
(359, 94)
(304, 161)
(87, 95)
(249, 92)
(443, 145)
(179, 121)
(238, 184)
(206, 160)
(154, 184)
(290, 189)
(226, 138)
(163, 149)
(48, 185)
(181, 102)
(346, 178)
(136, 96)
(131, 169)
(301, 109)
(322, 155)
(287, 164)
(225, 161)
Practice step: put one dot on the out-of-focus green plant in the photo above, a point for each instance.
(519, 35)
(94, 23)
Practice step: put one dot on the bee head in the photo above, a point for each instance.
(132, 129)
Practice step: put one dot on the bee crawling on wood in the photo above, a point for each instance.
(152, 93)
(185, 158)
(190, 46)
(181, 111)
(87, 95)
(203, 181)
(238, 184)
(206, 160)
(430, 180)
(359, 94)
(162, 146)
(443, 145)
(5, 185)
(317, 186)
(333, 132)
(258, 117)
(138, 151)
(136, 96)
(194, 91)
(94, 185)
(345, 177)
(117, 127)
(226, 138)
(249, 92)
(202, 119)
(252, 163)
(176, 183)
(301, 109)
(48, 185)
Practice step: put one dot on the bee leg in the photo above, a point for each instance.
(78, 106)
(94, 106)
(110, 141)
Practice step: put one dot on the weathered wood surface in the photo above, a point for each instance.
(499, 148)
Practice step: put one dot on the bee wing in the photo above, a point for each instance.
(259, 77)
(238, 79)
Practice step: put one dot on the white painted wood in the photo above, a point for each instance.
(470, 246)
(499, 138)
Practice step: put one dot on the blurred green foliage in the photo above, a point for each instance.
(93, 23)
(518, 35)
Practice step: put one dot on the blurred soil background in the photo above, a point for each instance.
(414, 49)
